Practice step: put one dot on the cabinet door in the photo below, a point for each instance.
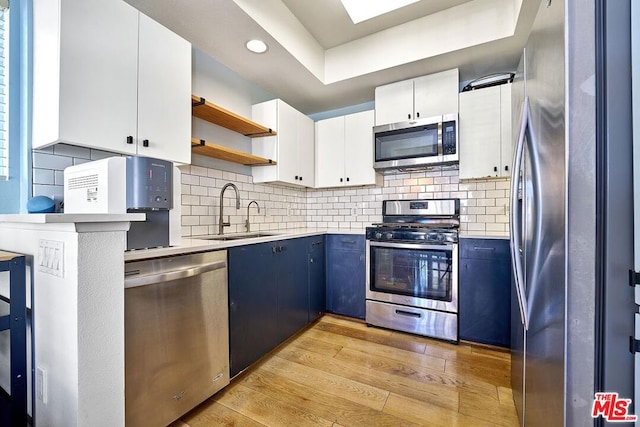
(85, 74)
(266, 113)
(317, 289)
(358, 149)
(436, 94)
(480, 133)
(485, 291)
(164, 93)
(394, 102)
(306, 151)
(293, 286)
(288, 167)
(507, 140)
(330, 161)
(346, 275)
(253, 302)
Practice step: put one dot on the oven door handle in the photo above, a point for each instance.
(445, 247)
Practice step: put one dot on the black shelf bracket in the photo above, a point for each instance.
(634, 345)
(202, 142)
(634, 278)
(198, 103)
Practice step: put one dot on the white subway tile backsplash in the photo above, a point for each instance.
(49, 161)
(43, 176)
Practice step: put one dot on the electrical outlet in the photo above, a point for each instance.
(354, 211)
(41, 385)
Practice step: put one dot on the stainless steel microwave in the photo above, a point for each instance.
(416, 143)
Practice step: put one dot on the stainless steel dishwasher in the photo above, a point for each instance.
(176, 335)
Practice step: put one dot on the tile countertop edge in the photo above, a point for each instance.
(191, 245)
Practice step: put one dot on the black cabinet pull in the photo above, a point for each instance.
(495, 169)
(481, 248)
(418, 115)
(274, 249)
(296, 177)
(311, 260)
(506, 168)
(145, 142)
(281, 248)
(347, 179)
(350, 242)
(408, 313)
(409, 116)
(340, 179)
(301, 178)
(319, 242)
(129, 139)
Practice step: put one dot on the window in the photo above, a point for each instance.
(4, 90)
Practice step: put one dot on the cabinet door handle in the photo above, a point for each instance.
(274, 249)
(482, 248)
(300, 178)
(347, 179)
(417, 115)
(409, 116)
(319, 242)
(506, 168)
(495, 169)
(145, 142)
(340, 179)
(350, 242)
(311, 260)
(129, 139)
(296, 177)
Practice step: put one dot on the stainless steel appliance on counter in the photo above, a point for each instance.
(412, 268)
(176, 335)
(416, 143)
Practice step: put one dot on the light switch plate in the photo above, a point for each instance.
(50, 257)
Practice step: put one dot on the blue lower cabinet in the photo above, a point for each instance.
(345, 260)
(253, 303)
(293, 288)
(317, 292)
(485, 291)
(272, 289)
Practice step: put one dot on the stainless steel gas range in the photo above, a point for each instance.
(412, 268)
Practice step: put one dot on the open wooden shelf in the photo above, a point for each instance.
(205, 110)
(209, 149)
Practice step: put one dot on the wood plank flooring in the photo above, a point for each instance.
(340, 372)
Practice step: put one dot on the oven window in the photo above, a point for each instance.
(404, 143)
(413, 272)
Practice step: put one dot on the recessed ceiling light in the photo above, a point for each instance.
(257, 46)
(360, 10)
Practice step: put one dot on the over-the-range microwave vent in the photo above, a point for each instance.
(422, 168)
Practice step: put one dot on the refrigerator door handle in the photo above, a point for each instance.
(514, 215)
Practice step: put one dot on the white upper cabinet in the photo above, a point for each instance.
(164, 93)
(485, 132)
(292, 148)
(344, 150)
(418, 98)
(108, 77)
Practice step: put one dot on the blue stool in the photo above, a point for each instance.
(15, 402)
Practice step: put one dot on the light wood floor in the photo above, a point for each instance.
(342, 373)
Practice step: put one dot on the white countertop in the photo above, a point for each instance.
(476, 236)
(60, 218)
(194, 244)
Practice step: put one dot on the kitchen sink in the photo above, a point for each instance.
(238, 236)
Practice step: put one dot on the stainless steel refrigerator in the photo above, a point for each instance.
(571, 213)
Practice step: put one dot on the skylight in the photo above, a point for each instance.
(361, 10)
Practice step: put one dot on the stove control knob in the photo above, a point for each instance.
(388, 236)
(378, 235)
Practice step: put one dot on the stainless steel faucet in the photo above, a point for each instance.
(221, 223)
(246, 223)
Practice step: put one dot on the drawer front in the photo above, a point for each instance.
(437, 324)
(485, 248)
(347, 242)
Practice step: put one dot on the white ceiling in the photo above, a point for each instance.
(318, 60)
